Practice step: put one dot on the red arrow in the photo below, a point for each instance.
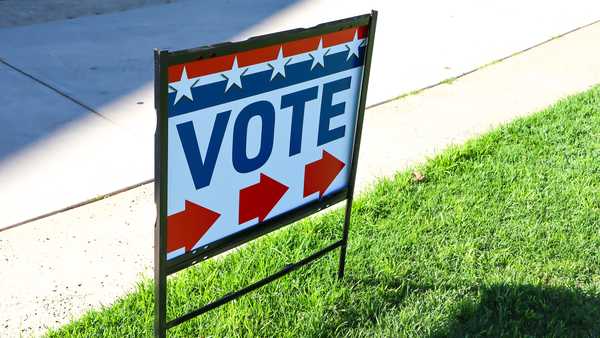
(185, 228)
(319, 174)
(259, 199)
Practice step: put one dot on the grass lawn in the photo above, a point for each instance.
(501, 238)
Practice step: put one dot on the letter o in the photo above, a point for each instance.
(266, 112)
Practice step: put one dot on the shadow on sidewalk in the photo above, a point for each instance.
(104, 62)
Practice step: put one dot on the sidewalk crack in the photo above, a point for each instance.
(56, 90)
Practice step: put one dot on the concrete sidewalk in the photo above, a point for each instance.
(80, 259)
(80, 90)
(28, 12)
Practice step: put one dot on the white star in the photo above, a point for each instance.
(234, 76)
(279, 64)
(318, 55)
(183, 87)
(353, 46)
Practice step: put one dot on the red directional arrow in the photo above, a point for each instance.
(319, 174)
(259, 199)
(185, 228)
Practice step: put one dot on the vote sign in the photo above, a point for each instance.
(257, 133)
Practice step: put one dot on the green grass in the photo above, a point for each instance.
(501, 238)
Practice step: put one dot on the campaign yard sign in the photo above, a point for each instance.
(256, 134)
(259, 133)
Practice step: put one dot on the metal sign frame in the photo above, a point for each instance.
(162, 268)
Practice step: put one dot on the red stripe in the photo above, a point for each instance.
(301, 46)
(260, 55)
(346, 35)
(175, 73)
(363, 32)
(336, 38)
(201, 67)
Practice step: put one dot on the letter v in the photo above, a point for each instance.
(202, 171)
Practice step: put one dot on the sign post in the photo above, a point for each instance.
(252, 136)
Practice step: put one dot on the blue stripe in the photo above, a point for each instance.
(214, 94)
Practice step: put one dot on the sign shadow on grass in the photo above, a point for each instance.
(501, 310)
(527, 310)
